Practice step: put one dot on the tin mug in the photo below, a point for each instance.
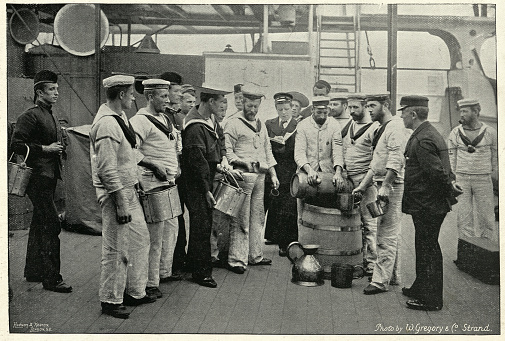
(376, 208)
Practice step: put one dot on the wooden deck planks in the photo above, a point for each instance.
(262, 301)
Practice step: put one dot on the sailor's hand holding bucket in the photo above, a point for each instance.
(384, 192)
(210, 199)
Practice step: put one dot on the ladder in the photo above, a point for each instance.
(338, 51)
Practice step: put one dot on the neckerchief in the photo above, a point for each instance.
(378, 135)
(471, 144)
(345, 130)
(258, 125)
(127, 130)
(360, 132)
(166, 130)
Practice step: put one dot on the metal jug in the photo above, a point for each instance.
(306, 269)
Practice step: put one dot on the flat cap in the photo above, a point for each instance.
(467, 102)
(187, 88)
(155, 83)
(283, 97)
(45, 76)
(173, 77)
(356, 96)
(301, 98)
(320, 102)
(323, 84)
(413, 101)
(338, 96)
(212, 90)
(378, 97)
(118, 80)
(237, 88)
(251, 92)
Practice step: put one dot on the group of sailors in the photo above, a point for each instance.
(353, 136)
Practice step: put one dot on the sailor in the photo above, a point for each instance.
(338, 107)
(173, 112)
(429, 193)
(160, 146)
(357, 137)
(203, 150)
(38, 129)
(318, 144)
(239, 105)
(386, 171)
(299, 102)
(188, 100)
(320, 88)
(474, 158)
(125, 237)
(248, 150)
(281, 225)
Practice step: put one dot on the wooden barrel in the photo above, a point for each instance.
(339, 235)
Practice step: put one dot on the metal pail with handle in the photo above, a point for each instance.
(229, 197)
(161, 203)
(19, 175)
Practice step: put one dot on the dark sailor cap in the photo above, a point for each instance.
(173, 77)
(212, 90)
(237, 88)
(323, 84)
(45, 76)
(282, 97)
(413, 101)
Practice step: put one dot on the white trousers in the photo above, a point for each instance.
(475, 207)
(125, 250)
(388, 230)
(163, 236)
(246, 232)
(369, 223)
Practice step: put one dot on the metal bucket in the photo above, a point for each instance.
(161, 203)
(19, 175)
(229, 198)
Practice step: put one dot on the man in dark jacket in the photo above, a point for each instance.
(39, 130)
(281, 224)
(203, 149)
(430, 190)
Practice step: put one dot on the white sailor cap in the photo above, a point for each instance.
(155, 83)
(118, 80)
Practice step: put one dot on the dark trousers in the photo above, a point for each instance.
(429, 267)
(281, 222)
(43, 250)
(180, 246)
(200, 225)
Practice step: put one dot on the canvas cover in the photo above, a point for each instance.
(82, 212)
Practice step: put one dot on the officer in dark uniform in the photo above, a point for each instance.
(281, 224)
(39, 129)
(429, 193)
